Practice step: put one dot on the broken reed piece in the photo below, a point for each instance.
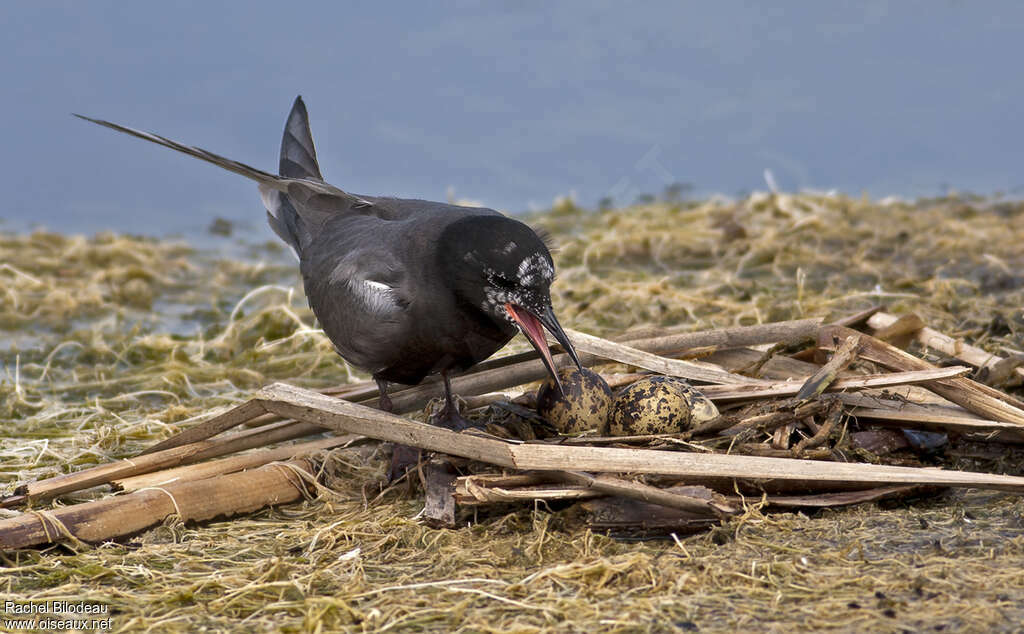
(186, 454)
(207, 429)
(610, 485)
(761, 450)
(780, 437)
(676, 438)
(489, 488)
(739, 336)
(842, 498)
(858, 318)
(820, 437)
(624, 515)
(841, 359)
(232, 464)
(930, 338)
(1002, 373)
(352, 418)
(972, 396)
(121, 515)
(778, 367)
(438, 479)
(478, 495)
(888, 411)
(900, 331)
(787, 413)
(748, 391)
(484, 489)
(622, 353)
(629, 515)
(756, 366)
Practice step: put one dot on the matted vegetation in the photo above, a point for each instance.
(115, 342)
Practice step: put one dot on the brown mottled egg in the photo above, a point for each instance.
(658, 405)
(584, 406)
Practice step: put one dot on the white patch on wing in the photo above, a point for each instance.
(378, 297)
(375, 296)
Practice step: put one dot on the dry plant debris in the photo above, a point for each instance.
(99, 368)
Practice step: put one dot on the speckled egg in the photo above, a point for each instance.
(658, 405)
(585, 404)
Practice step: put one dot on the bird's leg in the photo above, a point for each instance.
(383, 400)
(403, 457)
(449, 416)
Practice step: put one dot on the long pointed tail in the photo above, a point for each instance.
(298, 201)
(264, 178)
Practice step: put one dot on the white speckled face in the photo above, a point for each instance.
(528, 289)
(534, 271)
(495, 300)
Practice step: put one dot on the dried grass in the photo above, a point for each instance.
(116, 341)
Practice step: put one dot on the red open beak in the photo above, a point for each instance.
(533, 327)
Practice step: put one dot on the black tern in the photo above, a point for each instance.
(403, 288)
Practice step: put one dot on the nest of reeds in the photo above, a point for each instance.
(94, 377)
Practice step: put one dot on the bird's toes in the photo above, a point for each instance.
(450, 418)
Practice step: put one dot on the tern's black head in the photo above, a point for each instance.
(502, 268)
(493, 261)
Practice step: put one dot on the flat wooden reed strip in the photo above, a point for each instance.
(240, 415)
(231, 464)
(207, 429)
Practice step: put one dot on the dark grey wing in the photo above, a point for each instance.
(359, 294)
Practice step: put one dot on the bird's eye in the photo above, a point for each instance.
(503, 281)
